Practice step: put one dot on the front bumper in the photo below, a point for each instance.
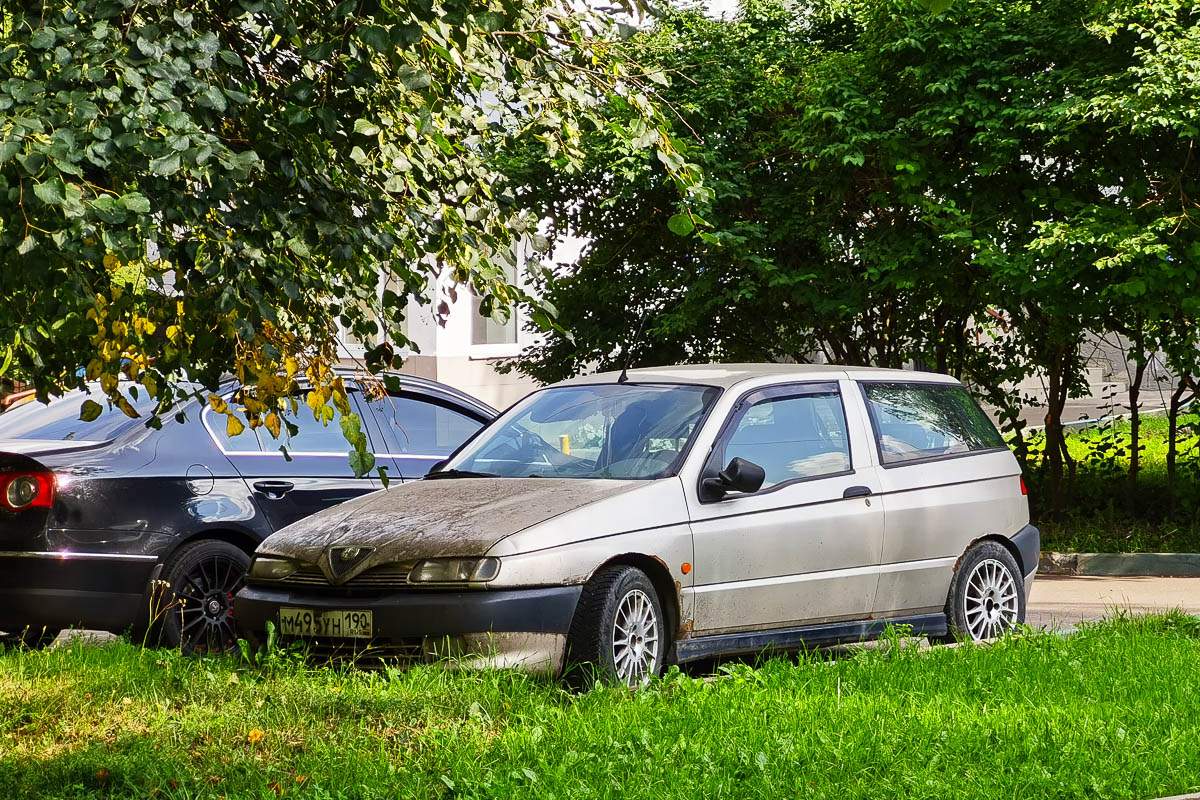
(512, 627)
(59, 590)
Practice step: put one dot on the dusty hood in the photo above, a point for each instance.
(448, 517)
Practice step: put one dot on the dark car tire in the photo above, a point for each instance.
(987, 595)
(203, 577)
(618, 633)
(33, 638)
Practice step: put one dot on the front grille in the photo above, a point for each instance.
(385, 576)
(365, 653)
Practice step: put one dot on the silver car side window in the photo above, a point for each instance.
(791, 438)
(918, 421)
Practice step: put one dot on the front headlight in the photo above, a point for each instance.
(454, 570)
(269, 568)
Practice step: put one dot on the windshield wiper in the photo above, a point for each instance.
(459, 473)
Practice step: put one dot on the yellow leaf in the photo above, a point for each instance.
(111, 261)
(233, 426)
(108, 382)
(173, 333)
(218, 405)
(291, 365)
(273, 424)
(126, 408)
(315, 401)
(255, 736)
(94, 368)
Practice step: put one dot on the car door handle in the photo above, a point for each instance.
(274, 490)
(857, 491)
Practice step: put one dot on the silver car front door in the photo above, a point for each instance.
(805, 548)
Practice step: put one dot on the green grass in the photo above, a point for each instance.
(1100, 516)
(1111, 712)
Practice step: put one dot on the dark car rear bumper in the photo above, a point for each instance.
(420, 613)
(60, 590)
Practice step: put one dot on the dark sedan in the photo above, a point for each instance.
(111, 525)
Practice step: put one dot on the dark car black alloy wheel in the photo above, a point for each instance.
(204, 577)
(206, 605)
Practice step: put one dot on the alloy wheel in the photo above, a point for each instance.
(990, 603)
(635, 645)
(206, 605)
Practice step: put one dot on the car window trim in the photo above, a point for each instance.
(862, 386)
(778, 391)
(351, 391)
(444, 402)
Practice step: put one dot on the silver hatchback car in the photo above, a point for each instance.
(626, 522)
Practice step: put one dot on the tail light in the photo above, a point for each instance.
(1024, 488)
(22, 490)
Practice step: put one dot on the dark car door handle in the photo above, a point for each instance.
(857, 491)
(274, 489)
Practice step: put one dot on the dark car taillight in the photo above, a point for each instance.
(22, 490)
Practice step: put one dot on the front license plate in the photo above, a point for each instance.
(307, 622)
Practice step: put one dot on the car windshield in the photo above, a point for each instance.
(60, 419)
(629, 431)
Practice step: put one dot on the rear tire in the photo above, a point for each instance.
(204, 577)
(31, 637)
(987, 595)
(618, 634)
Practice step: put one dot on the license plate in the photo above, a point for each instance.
(307, 622)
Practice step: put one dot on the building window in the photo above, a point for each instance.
(485, 330)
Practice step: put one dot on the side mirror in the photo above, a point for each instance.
(739, 476)
(438, 466)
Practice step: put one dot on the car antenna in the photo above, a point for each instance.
(624, 376)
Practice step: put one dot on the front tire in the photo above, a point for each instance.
(987, 594)
(618, 634)
(203, 577)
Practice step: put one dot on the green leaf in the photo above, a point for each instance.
(8, 149)
(351, 427)
(361, 462)
(376, 37)
(321, 51)
(137, 203)
(52, 192)
(681, 224)
(43, 38)
(365, 128)
(167, 165)
(413, 79)
(90, 410)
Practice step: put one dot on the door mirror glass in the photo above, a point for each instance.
(740, 475)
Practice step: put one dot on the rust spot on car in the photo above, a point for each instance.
(686, 627)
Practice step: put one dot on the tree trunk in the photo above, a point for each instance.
(1056, 444)
(1135, 425)
(1172, 447)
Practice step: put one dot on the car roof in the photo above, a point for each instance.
(726, 375)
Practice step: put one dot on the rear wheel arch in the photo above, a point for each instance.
(1004, 541)
(240, 539)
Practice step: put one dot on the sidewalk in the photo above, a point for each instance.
(1060, 602)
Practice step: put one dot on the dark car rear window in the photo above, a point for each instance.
(60, 421)
(925, 420)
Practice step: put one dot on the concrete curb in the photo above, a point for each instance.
(1157, 565)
